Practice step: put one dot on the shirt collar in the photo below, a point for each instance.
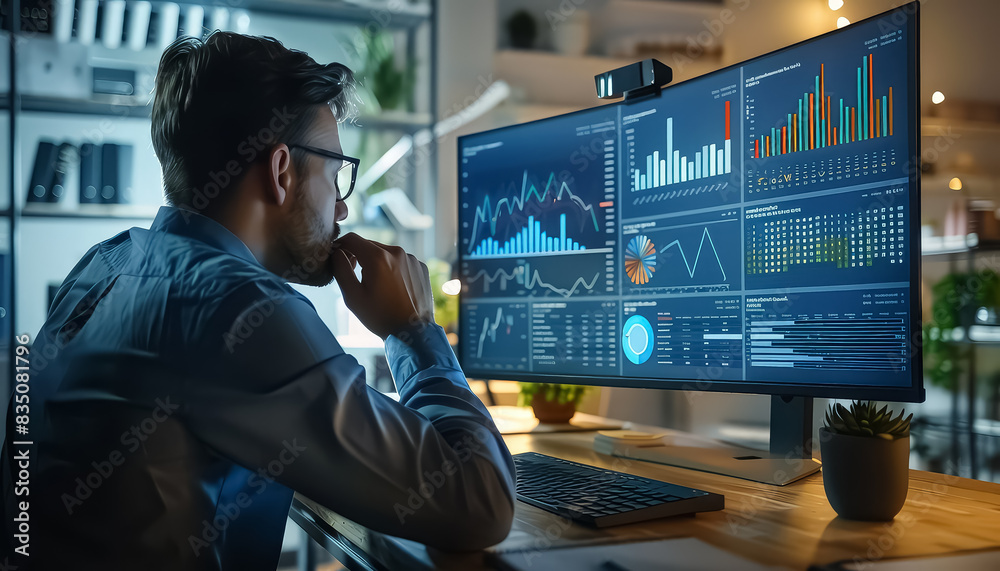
(188, 223)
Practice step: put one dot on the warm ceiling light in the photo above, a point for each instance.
(842, 21)
(836, 4)
(938, 97)
(452, 287)
(955, 184)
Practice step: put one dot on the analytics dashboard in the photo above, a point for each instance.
(751, 225)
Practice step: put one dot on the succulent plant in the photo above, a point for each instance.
(865, 419)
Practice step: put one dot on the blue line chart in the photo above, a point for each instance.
(530, 279)
(692, 268)
(696, 254)
(490, 213)
(491, 330)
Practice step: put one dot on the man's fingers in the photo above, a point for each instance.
(361, 248)
(343, 272)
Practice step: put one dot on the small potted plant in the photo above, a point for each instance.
(551, 403)
(866, 453)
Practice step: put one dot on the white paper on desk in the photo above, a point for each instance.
(684, 554)
(981, 561)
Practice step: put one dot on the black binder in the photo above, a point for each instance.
(116, 173)
(90, 173)
(65, 155)
(40, 188)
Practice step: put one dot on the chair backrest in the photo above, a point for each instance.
(119, 475)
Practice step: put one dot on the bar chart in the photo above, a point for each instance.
(671, 167)
(861, 331)
(524, 233)
(530, 240)
(818, 120)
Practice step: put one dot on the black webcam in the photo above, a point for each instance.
(633, 80)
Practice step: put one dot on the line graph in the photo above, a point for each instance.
(494, 336)
(490, 330)
(692, 254)
(692, 268)
(489, 213)
(523, 275)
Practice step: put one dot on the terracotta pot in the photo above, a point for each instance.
(551, 412)
(865, 478)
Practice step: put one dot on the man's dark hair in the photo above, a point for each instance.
(222, 103)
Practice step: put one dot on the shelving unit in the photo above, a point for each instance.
(956, 250)
(31, 115)
(70, 226)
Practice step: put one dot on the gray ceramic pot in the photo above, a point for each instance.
(865, 478)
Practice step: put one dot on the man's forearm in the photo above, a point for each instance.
(430, 381)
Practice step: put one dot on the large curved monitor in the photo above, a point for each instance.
(755, 229)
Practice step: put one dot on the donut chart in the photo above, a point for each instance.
(637, 339)
(640, 260)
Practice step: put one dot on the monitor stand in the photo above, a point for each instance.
(789, 459)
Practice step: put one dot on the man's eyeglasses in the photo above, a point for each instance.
(347, 173)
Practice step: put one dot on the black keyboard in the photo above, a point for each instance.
(602, 498)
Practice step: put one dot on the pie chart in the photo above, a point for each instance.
(640, 260)
(637, 339)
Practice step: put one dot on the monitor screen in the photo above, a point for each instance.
(755, 229)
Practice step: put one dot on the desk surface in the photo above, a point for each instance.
(790, 527)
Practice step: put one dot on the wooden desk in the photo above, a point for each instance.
(790, 527)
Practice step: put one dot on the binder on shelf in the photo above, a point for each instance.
(62, 12)
(65, 155)
(116, 173)
(90, 173)
(194, 20)
(113, 23)
(40, 186)
(167, 16)
(138, 24)
(86, 28)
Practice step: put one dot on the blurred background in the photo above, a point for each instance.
(82, 74)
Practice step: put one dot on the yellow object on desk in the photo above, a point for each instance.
(520, 420)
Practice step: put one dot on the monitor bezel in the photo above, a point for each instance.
(915, 392)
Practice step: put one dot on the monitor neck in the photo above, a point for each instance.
(791, 426)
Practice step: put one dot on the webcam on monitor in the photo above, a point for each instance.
(633, 80)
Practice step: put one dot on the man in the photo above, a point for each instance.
(181, 390)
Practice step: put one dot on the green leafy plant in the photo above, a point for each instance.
(866, 419)
(561, 394)
(392, 87)
(956, 298)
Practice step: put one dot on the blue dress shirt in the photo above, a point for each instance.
(180, 392)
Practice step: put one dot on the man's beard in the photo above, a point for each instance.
(308, 244)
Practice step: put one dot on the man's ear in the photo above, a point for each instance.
(281, 174)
